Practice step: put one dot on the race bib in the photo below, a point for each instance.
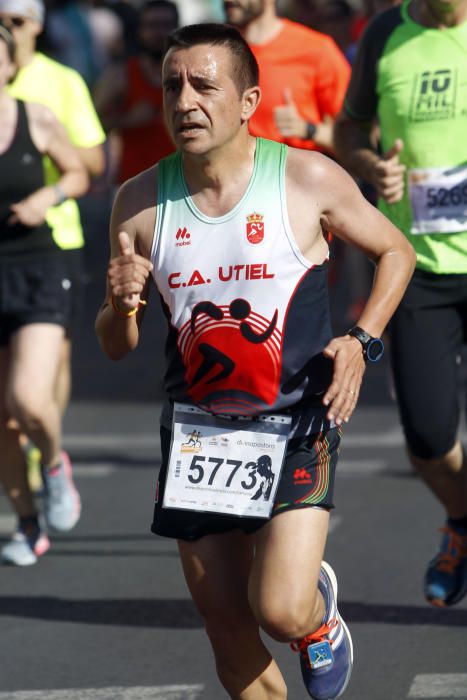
(439, 200)
(219, 465)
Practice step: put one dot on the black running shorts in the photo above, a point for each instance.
(33, 291)
(74, 262)
(427, 333)
(307, 480)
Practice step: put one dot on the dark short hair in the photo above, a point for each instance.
(7, 37)
(246, 71)
(161, 5)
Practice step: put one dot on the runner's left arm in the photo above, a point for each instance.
(350, 217)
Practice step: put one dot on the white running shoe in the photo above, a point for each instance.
(24, 549)
(62, 504)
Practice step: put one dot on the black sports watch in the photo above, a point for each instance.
(310, 131)
(373, 348)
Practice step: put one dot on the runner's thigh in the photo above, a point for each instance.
(288, 555)
(35, 352)
(426, 343)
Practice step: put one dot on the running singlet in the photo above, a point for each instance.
(142, 146)
(248, 314)
(311, 66)
(414, 80)
(63, 90)
(21, 174)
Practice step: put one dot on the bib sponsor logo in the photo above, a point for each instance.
(255, 228)
(193, 443)
(434, 95)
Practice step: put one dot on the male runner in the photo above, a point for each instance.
(303, 75)
(128, 95)
(410, 75)
(235, 224)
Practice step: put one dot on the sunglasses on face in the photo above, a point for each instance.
(12, 21)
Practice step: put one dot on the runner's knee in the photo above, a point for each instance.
(289, 619)
(28, 408)
(452, 460)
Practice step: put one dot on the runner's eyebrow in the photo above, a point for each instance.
(197, 79)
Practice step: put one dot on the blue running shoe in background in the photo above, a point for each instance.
(326, 656)
(446, 576)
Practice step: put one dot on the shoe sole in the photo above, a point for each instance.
(332, 577)
(439, 602)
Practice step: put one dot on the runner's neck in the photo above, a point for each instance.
(218, 180)
(421, 13)
(263, 29)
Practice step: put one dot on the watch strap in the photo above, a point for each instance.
(310, 131)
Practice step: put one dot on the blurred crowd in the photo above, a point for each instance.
(88, 35)
(116, 46)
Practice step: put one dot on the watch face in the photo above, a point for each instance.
(374, 349)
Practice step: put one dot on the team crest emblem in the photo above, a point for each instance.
(255, 228)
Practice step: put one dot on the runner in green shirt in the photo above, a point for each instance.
(409, 82)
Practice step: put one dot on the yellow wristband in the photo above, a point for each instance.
(126, 314)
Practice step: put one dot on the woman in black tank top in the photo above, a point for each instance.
(34, 309)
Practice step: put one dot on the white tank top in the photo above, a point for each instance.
(248, 314)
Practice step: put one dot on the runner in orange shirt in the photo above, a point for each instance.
(303, 75)
(128, 95)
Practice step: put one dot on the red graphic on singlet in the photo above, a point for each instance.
(232, 357)
(255, 228)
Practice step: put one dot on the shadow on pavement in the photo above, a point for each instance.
(181, 614)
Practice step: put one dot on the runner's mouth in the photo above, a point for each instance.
(190, 129)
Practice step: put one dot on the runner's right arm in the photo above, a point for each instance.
(131, 228)
(354, 125)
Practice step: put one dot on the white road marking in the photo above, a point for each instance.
(93, 471)
(151, 441)
(7, 524)
(158, 692)
(121, 441)
(353, 467)
(439, 685)
(334, 522)
(393, 437)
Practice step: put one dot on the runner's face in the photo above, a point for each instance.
(6, 66)
(242, 12)
(154, 26)
(441, 8)
(24, 30)
(202, 107)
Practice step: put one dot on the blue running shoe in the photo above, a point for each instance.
(446, 576)
(326, 656)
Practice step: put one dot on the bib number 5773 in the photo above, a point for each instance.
(198, 470)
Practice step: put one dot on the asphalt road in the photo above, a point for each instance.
(106, 614)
